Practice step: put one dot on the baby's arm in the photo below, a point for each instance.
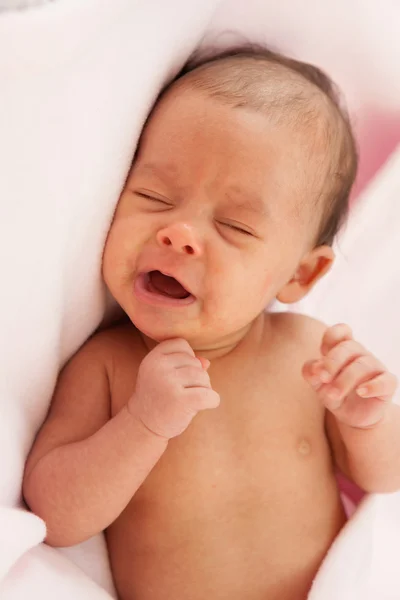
(369, 457)
(85, 466)
(362, 424)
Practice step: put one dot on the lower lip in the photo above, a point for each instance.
(154, 299)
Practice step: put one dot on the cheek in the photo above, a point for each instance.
(109, 259)
(121, 246)
(260, 282)
(246, 287)
(125, 236)
(266, 283)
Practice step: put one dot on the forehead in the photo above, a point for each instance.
(191, 137)
(239, 195)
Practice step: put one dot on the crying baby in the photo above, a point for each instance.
(203, 434)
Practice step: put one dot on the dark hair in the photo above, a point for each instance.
(244, 90)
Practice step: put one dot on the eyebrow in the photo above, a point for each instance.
(237, 196)
(165, 169)
(247, 201)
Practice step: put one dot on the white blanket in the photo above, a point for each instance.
(76, 82)
(363, 289)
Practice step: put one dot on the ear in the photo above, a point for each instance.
(312, 267)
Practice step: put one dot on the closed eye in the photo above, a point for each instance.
(154, 199)
(237, 228)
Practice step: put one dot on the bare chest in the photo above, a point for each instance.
(266, 435)
(231, 495)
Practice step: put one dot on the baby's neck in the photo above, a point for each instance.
(217, 349)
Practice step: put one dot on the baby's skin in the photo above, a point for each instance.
(203, 435)
(245, 503)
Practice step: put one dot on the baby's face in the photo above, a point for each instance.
(210, 225)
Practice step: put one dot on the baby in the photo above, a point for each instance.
(203, 435)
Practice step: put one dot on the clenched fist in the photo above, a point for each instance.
(172, 387)
(353, 384)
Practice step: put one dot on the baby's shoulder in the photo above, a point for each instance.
(297, 334)
(115, 344)
(290, 340)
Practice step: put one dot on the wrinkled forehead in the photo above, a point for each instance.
(188, 130)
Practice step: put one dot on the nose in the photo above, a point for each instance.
(181, 237)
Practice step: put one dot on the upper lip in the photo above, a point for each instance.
(169, 273)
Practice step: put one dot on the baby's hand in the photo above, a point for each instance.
(350, 381)
(172, 387)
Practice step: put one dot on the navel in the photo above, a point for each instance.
(304, 447)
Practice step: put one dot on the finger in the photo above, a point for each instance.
(183, 359)
(382, 386)
(201, 399)
(205, 363)
(174, 346)
(194, 377)
(334, 335)
(311, 375)
(338, 357)
(356, 373)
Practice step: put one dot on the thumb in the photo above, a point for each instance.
(309, 374)
(205, 363)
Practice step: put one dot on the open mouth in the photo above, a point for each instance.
(158, 283)
(154, 287)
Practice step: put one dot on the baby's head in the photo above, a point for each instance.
(239, 184)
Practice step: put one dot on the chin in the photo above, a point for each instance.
(162, 332)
